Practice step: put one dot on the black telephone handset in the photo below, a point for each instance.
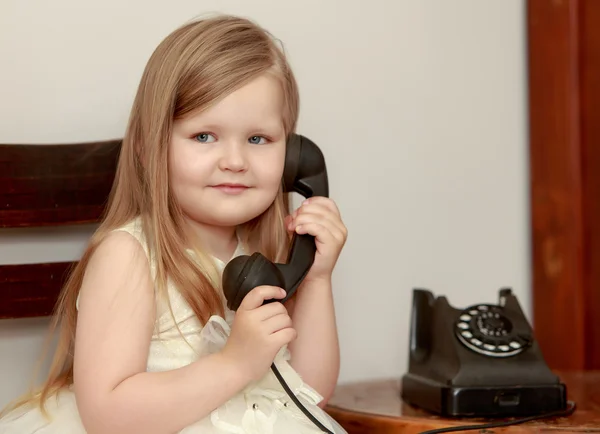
(305, 172)
(480, 361)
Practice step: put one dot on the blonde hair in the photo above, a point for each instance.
(195, 66)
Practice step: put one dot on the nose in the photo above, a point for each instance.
(233, 157)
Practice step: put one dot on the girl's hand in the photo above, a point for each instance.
(320, 217)
(259, 331)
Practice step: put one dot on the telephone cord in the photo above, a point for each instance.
(304, 410)
(560, 413)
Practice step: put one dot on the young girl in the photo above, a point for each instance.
(147, 344)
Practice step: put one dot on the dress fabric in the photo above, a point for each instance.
(263, 407)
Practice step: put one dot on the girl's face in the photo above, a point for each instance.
(226, 163)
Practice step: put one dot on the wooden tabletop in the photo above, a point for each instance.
(375, 407)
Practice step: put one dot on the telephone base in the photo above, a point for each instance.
(491, 401)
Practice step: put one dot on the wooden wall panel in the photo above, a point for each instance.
(564, 103)
(590, 141)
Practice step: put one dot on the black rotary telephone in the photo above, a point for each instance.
(305, 173)
(480, 361)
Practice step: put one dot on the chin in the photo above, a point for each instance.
(232, 213)
(230, 219)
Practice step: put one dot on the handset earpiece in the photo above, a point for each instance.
(305, 172)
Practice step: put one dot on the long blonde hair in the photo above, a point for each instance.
(195, 66)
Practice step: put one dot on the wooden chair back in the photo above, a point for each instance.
(42, 186)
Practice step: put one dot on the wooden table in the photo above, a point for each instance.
(375, 407)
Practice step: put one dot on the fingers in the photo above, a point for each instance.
(317, 205)
(284, 336)
(258, 295)
(307, 220)
(322, 211)
(321, 233)
(318, 211)
(277, 323)
(270, 310)
(323, 201)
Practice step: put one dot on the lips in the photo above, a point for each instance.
(231, 188)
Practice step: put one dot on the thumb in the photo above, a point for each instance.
(257, 296)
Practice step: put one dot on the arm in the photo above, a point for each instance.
(315, 352)
(114, 392)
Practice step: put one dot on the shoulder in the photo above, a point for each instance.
(125, 243)
(134, 228)
(118, 249)
(118, 262)
(119, 256)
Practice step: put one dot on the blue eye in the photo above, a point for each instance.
(205, 138)
(255, 140)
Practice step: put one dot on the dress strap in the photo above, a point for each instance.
(135, 229)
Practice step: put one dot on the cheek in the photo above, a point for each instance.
(184, 170)
(177, 175)
(271, 174)
(184, 179)
(174, 162)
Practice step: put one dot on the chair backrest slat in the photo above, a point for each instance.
(43, 185)
(28, 290)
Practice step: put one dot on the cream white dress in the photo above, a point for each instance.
(263, 407)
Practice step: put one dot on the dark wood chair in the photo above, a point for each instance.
(49, 185)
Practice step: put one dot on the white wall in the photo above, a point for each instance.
(419, 105)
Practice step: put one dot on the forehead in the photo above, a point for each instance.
(258, 104)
